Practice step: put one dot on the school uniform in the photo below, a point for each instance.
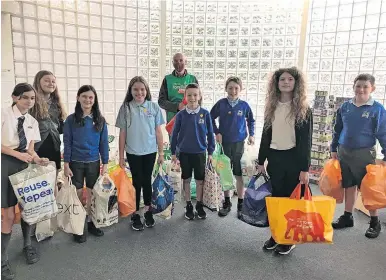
(50, 130)
(193, 134)
(287, 146)
(84, 148)
(17, 131)
(356, 130)
(235, 116)
(140, 122)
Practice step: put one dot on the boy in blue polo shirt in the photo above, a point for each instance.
(359, 122)
(139, 120)
(234, 117)
(193, 134)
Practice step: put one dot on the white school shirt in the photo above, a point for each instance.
(283, 128)
(9, 121)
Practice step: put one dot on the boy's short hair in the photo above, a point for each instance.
(197, 86)
(365, 77)
(234, 79)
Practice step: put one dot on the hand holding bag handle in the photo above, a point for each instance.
(296, 194)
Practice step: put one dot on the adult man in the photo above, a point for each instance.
(173, 87)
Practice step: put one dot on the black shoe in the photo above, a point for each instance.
(189, 213)
(200, 210)
(226, 208)
(94, 230)
(343, 221)
(149, 220)
(136, 223)
(80, 238)
(284, 249)
(31, 254)
(270, 244)
(239, 209)
(374, 229)
(6, 271)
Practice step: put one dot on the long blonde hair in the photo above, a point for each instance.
(41, 109)
(299, 104)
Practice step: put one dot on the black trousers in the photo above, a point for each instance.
(284, 171)
(141, 168)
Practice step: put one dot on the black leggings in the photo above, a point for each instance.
(141, 168)
(283, 170)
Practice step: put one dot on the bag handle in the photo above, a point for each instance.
(296, 194)
(260, 174)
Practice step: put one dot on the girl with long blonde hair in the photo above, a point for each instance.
(287, 138)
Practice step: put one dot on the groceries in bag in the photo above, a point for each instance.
(163, 193)
(125, 191)
(248, 163)
(72, 215)
(212, 192)
(104, 202)
(222, 165)
(254, 210)
(294, 220)
(330, 182)
(34, 188)
(373, 187)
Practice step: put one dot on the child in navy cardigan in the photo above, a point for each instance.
(236, 123)
(85, 145)
(193, 134)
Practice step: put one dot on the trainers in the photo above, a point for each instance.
(374, 229)
(284, 249)
(136, 223)
(31, 254)
(270, 244)
(200, 210)
(239, 209)
(343, 221)
(6, 271)
(149, 220)
(94, 230)
(80, 238)
(226, 208)
(189, 213)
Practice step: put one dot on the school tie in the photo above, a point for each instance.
(21, 133)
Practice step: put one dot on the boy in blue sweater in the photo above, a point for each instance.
(359, 122)
(193, 134)
(234, 117)
(86, 143)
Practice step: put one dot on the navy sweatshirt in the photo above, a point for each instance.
(233, 120)
(359, 127)
(85, 143)
(193, 133)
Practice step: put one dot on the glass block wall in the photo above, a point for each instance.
(345, 38)
(244, 38)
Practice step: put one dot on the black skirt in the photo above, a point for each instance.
(9, 166)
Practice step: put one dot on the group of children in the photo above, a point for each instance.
(38, 116)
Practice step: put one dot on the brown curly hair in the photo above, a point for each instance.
(299, 104)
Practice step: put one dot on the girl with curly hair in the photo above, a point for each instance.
(286, 139)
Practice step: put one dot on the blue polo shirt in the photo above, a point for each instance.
(140, 122)
(359, 127)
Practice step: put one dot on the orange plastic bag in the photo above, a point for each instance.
(330, 182)
(17, 214)
(169, 126)
(373, 187)
(126, 192)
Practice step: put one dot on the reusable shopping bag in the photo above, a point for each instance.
(254, 211)
(34, 189)
(373, 187)
(71, 216)
(330, 182)
(125, 191)
(294, 220)
(173, 172)
(222, 164)
(213, 193)
(163, 193)
(248, 163)
(45, 229)
(104, 202)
